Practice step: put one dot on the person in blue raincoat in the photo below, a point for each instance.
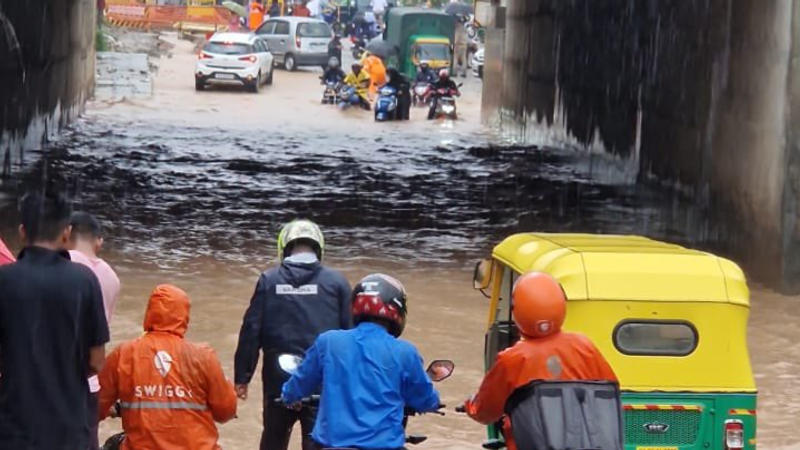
(368, 375)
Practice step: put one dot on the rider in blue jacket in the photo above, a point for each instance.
(368, 375)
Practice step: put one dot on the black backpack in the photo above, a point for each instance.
(567, 415)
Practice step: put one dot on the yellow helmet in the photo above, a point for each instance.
(300, 230)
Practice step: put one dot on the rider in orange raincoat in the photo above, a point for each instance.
(373, 65)
(544, 352)
(255, 14)
(171, 391)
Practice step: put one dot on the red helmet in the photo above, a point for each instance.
(540, 305)
(380, 297)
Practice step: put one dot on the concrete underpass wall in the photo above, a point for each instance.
(695, 94)
(46, 70)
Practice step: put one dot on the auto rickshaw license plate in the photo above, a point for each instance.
(656, 448)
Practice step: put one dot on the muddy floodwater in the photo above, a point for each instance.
(193, 188)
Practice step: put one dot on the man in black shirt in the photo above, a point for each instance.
(53, 333)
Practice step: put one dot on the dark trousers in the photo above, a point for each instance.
(278, 423)
(92, 402)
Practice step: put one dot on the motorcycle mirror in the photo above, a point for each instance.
(289, 363)
(441, 369)
(482, 276)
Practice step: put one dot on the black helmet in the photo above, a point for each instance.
(381, 298)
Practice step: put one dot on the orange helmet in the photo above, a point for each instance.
(540, 305)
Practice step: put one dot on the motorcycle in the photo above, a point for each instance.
(359, 46)
(421, 93)
(330, 96)
(445, 104)
(438, 370)
(386, 104)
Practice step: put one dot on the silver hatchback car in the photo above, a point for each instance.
(297, 41)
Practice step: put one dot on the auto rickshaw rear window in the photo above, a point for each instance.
(655, 338)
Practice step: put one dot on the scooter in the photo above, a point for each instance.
(445, 104)
(330, 96)
(438, 370)
(421, 93)
(349, 97)
(386, 104)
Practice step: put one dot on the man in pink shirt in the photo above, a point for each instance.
(86, 240)
(5, 254)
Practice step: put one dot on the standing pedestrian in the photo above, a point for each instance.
(53, 333)
(301, 10)
(461, 48)
(379, 8)
(314, 9)
(292, 304)
(256, 15)
(274, 9)
(86, 240)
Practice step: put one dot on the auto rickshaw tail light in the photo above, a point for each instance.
(734, 434)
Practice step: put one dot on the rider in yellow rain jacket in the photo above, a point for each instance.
(360, 80)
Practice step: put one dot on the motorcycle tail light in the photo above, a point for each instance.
(734, 435)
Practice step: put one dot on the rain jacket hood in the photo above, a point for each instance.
(167, 311)
(298, 273)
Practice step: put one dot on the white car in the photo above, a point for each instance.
(477, 63)
(234, 59)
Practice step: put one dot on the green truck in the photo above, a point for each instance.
(419, 35)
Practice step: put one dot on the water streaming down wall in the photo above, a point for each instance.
(46, 70)
(695, 94)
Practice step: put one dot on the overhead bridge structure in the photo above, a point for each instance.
(701, 96)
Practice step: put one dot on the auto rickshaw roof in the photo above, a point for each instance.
(632, 268)
(405, 11)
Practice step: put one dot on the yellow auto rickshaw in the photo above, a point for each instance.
(671, 321)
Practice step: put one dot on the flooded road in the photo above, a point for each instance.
(193, 188)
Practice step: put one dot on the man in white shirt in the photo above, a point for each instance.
(379, 7)
(314, 8)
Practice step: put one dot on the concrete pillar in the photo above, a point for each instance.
(702, 96)
(46, 70)
(790, 242)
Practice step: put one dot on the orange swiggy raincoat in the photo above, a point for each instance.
(171, 391)
(560, 356)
